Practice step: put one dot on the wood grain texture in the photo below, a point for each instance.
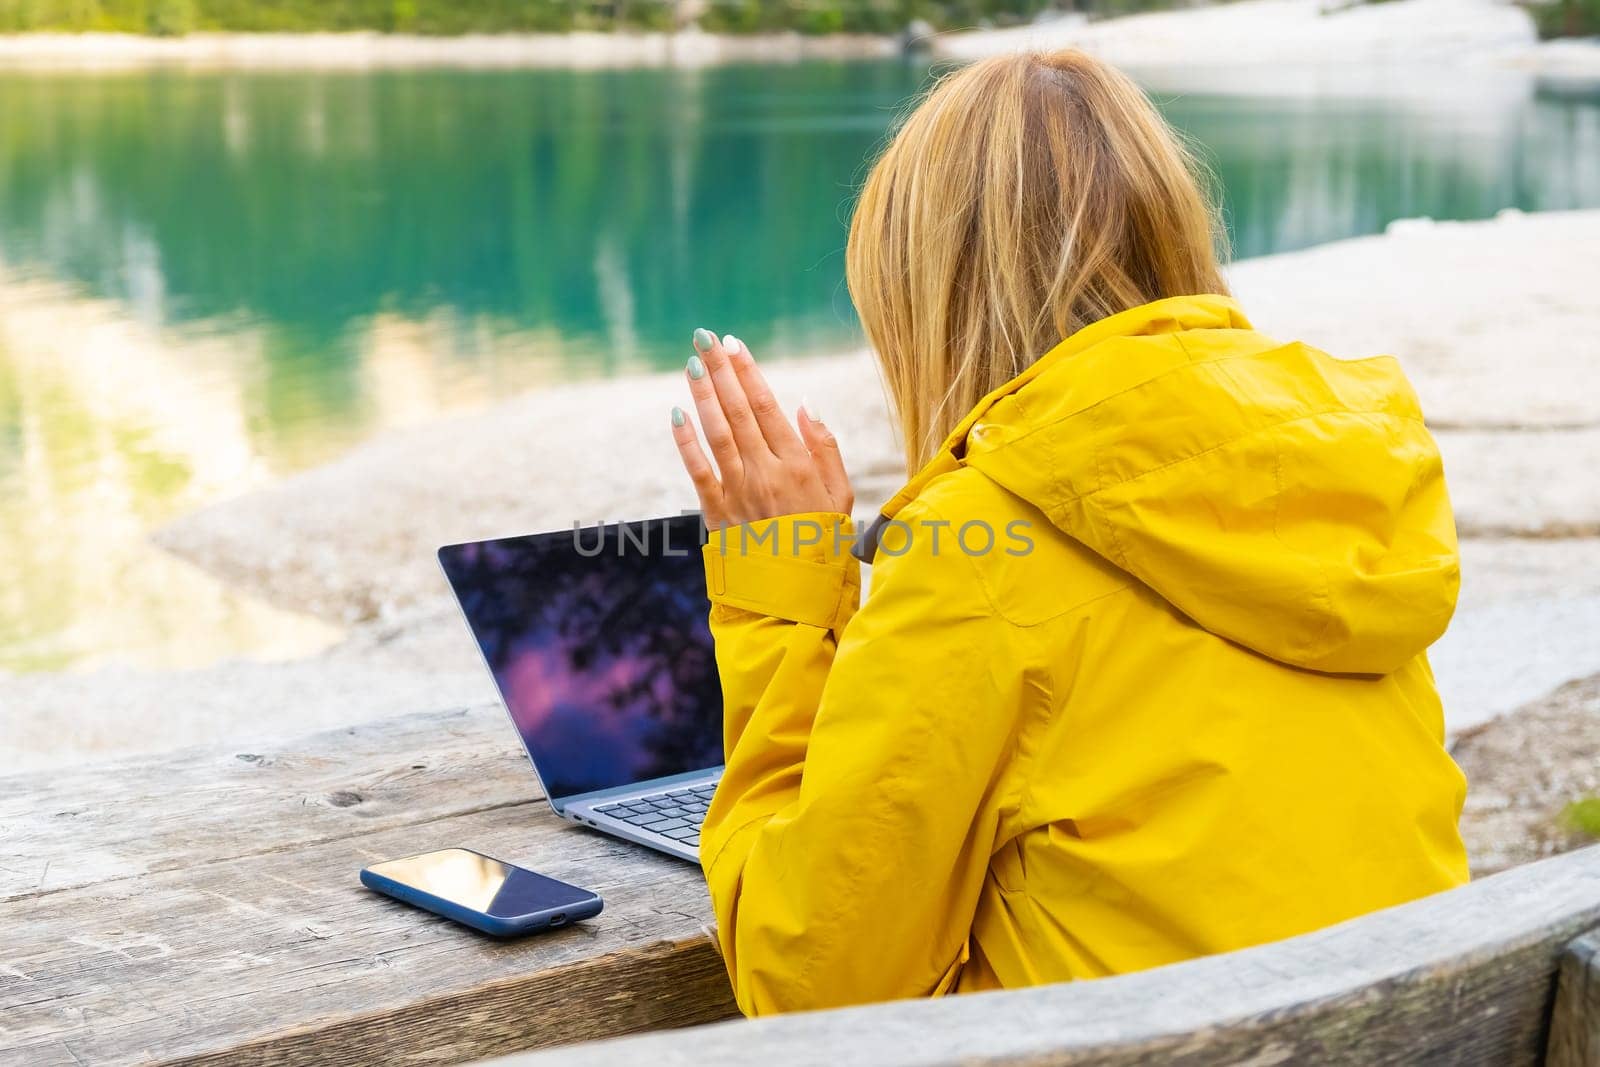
(1575, 1021)
(83, 825)
(1462, 978)
(205, 909)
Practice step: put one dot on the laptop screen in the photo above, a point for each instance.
(599, 642)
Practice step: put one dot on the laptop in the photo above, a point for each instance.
(598, 639)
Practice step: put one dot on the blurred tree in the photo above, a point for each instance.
(171, 18)
(1567, 18)
(168, 17)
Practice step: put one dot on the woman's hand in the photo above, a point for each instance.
(764, 468)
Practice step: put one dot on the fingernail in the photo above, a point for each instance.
(697, 369)
(732, 344)
(811, 412)
(703, 340)
(677, 417)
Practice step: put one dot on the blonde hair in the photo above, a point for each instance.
(1024, 198)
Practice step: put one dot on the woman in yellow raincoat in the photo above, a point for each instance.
(1141, 675)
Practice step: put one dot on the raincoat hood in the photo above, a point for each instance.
(1282, 499)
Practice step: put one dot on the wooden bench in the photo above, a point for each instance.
(1500, 972)
(205, 908)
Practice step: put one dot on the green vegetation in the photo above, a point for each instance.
(862, 16)
(1566, 18)
(265, 16)
(1583, 816)
(173, 17)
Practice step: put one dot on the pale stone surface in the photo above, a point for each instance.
(1494, 321)
(1268, 33)
(1526, 623)
(426, 663)
(1531, 484)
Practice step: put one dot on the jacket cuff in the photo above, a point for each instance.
(794, 567)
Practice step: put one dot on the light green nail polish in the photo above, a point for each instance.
(697, 369)
(677, 417)
(703, 340)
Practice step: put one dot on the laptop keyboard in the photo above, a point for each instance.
(675, 813)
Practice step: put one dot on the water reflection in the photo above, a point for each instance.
(1303, 171)
(106, 433)
(207, 280)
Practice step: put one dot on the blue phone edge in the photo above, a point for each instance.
(481, 921)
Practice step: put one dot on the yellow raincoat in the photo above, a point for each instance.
(1191, 713)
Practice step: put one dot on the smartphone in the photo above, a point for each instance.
(482, 892)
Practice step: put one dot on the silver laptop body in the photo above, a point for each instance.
(664, 814)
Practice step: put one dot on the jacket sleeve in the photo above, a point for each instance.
(849, 839)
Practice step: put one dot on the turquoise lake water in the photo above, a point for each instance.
(210, 280)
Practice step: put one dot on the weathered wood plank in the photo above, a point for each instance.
(85, 825)
(1575, 1021)
(1466, 977)
(238, 930)
(274, 956)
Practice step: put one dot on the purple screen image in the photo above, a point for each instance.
(599, 642)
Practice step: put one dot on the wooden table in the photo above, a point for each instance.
(204, 907)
